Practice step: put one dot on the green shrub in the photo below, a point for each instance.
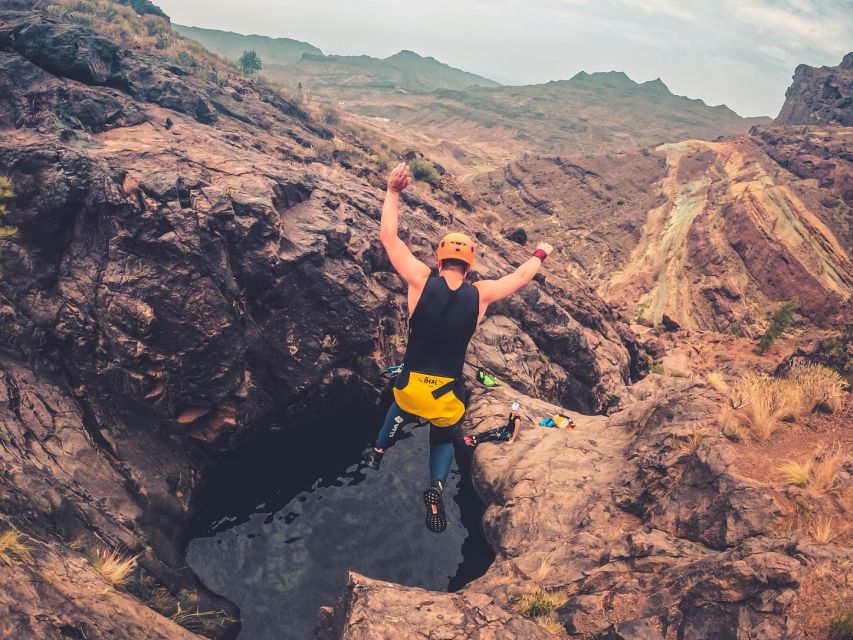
(841, 627)
(657, 368)
(779, 323)
(423, 171)
(250, 62)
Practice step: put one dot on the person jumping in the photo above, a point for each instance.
(444, 311)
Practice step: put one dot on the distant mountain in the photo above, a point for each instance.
(344, 77)
(589, 113)
(485, 123)
(291, 63)
(820, 95)
(230, 45)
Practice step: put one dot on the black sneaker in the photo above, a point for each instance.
(372, 458)
(436, 520)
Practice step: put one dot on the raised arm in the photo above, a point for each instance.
(412, 270)
(494, 290)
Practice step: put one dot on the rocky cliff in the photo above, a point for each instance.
(820, 95)
(197, 256)
(706, 233)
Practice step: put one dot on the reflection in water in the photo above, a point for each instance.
(283, 519)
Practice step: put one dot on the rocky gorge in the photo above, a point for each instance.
(198, 259)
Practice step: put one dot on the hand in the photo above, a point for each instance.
(547, 248)
(399, 178)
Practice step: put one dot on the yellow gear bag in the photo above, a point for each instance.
(429, 397)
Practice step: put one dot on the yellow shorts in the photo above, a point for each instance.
(430, 397)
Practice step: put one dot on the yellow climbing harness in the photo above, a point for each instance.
(430, 397)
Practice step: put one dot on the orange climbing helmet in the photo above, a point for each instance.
(457, 246)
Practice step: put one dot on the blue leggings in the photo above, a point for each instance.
(441, 441)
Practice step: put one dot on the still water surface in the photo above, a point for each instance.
(283, 519)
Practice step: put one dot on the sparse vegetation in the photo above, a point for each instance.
(717, 382)
(826, 468)
(780, 321)
(150, 31)
(331, 116)
(841, 627)
(114, 566)
(182, 609)
(13, 548)
(690, 442)
(822, 530)
(819, 386)
(796, 473)
(657, 368)
(199, 621)
(424, 171)
(384, 163)
(538, 603)
(6, 193)
(817, 474)
(250, 62)
(540, 606)
(550, 624)
(761, 402)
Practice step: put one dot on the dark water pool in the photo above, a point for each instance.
(283, 519)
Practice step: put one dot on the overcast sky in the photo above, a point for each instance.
(738, 52)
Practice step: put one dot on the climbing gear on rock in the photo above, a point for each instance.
(487, 379)
(457, 246)
(436, 519)
(389, 373)
(560, 421)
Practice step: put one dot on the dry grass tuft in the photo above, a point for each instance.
(197, 621)
(114, 566)
(762, 402)
(823, 530)
(819, 386)
(818, 474)
(690, 442)
(551, 625)
(13, 548)
(796, 473)
(826, 468)
(716, 380)
(537, 603)
(541, 606)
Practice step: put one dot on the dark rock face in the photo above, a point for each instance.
(188, 269)
(821, 95)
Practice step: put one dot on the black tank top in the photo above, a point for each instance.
(441, 328)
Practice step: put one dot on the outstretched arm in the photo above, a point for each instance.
(494, 290)
(412, 270)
